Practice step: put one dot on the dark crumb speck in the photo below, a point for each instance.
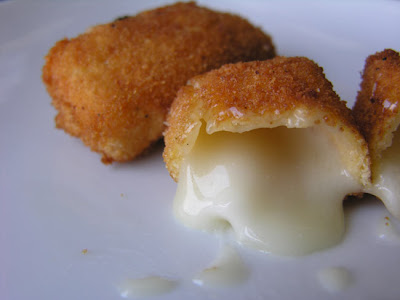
(121, 18)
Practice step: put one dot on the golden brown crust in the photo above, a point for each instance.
(113, 85)
(377, 107)
(291, 92)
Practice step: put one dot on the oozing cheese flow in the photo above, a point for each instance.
(387, 177)
(280, 189)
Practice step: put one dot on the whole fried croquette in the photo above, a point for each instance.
(113, 85)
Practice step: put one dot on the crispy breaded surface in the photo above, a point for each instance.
(377, 107)
(291, 92)
(113, 85)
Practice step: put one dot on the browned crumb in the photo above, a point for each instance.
(246, 96)
(377, 107)
(113, 85)
(84, 251)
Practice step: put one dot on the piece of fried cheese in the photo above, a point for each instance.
(377, 113)
(112, 85)
(268, 149)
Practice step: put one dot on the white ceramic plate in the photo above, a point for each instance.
(57, 199)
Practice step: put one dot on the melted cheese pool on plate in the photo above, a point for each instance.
(280, 189)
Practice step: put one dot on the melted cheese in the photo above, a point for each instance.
(387, 181)
(227, 270)
(146, 287)
(281, 190)
(335, 279)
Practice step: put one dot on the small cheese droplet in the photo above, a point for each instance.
(335, 279)
(146, 287)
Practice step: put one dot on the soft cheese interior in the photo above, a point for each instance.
(387, 177)
(280, 189)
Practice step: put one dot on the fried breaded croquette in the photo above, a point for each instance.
(377, 107)
(291, 92)
(268, 149)
(113, 85)
(378, 116)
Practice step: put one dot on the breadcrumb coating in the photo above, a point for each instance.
(113, 85)
(377, 107)
(291, 92)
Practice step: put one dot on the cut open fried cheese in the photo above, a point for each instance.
(268, 149)
(377, 113)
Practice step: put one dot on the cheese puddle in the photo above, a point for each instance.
(146, 287)
(281, 190)
(387, 183)
(335, 279)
